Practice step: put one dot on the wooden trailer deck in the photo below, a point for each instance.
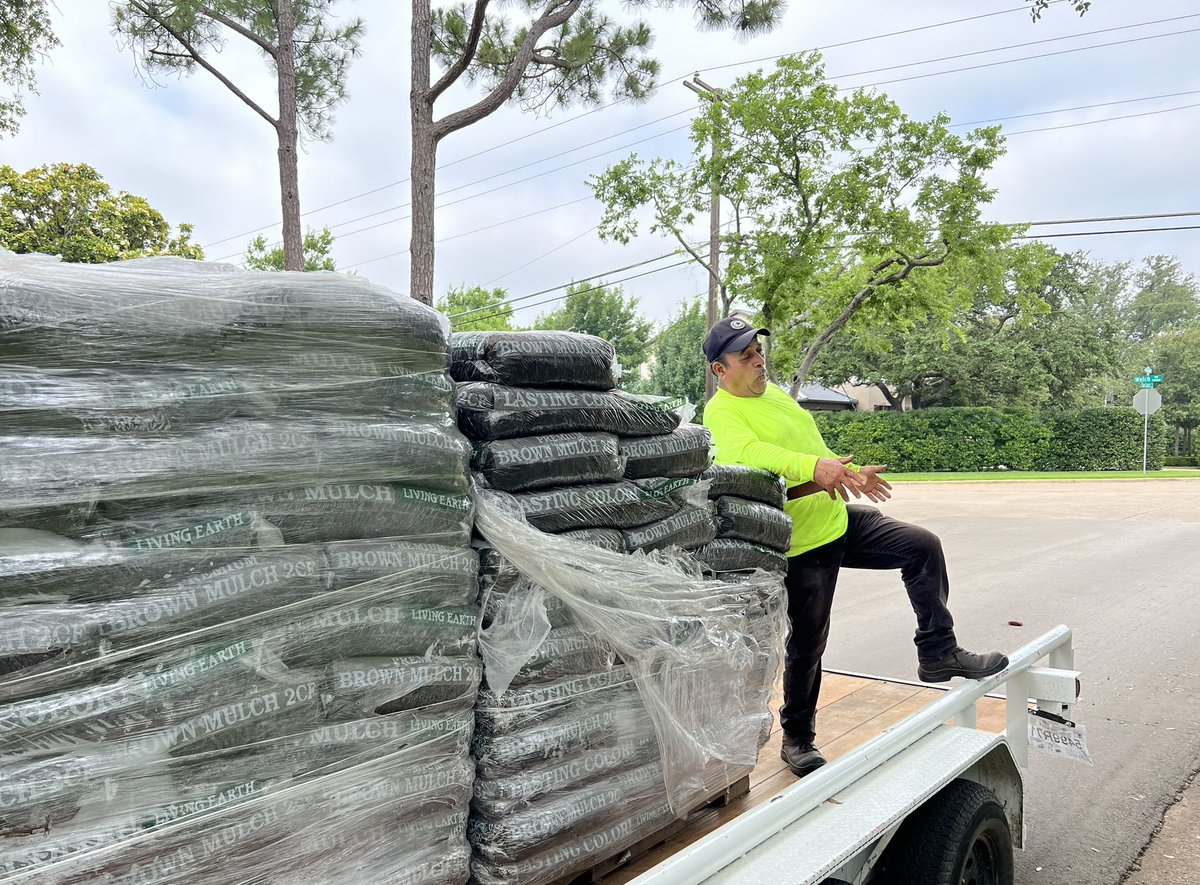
(853, 709)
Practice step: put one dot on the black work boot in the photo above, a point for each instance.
(801, 756)
(961, 662)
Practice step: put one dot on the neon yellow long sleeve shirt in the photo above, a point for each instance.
(773, 432)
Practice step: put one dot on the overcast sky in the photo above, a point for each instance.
(199, 155)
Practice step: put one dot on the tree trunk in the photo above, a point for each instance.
(288, 135)
(424, 159)
(825, 337)
(894, 402)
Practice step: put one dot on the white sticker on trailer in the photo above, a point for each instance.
(1060, 739)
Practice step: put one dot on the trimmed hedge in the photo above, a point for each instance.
(1181, 461)
(973, 439)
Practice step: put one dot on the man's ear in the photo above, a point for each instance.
(712, 367)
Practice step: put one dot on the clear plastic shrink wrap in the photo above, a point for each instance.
(534, 359)
(700, 678)
(239, 604)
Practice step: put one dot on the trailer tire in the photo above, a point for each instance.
(959, 837)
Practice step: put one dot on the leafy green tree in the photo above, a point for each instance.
(541, 54)
(307, 51)
(25, 36)
(476, 309)
(605, 311)
(1050, 335)
(679, 366)
(69, 210)
(1165, 298)
(1176, 356)
(318, 252)
(840, 202)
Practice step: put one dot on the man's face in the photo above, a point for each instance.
(743, 373)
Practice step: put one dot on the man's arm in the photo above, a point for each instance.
(739, 444)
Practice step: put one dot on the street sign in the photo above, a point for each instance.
(1148, 380)
(1147, 401)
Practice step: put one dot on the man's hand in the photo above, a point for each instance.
(875, 487)
(832, 475)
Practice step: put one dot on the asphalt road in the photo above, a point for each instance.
(1117, 561)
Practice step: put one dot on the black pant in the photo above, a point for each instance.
(872, 541)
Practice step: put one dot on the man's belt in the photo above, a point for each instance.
(803, 490)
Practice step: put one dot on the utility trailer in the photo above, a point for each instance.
(934, 797)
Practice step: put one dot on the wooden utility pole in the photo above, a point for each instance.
(711, 93)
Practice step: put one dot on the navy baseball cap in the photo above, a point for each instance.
(730, 335)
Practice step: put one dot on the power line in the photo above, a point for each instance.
(480, 230)
(588, 113)
(1101, 233)
(596, 276)
(509, 308)
(581, 199)
(880, 83)
(1183, 107)
(1009, 61)
(494, 189)
(1082, 107)
(563, 245)
(1052, 222)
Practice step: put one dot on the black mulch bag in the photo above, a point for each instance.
(329, 512)
(130, 701)
(751, 483)
(498, 797)
(253, 586)
(174, 311)
(534, 359)
(618, 505)
(686, 451)
(562, 816)
(536, 462)
(490, 411)
(369, 624)
(235, 454)
(755, 522)
(569, 856)
(730, 554)
(567, 651)
(693, 526)
(359, 687)
(432, 573)
(44, 568)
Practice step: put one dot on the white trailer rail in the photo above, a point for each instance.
(836, 823)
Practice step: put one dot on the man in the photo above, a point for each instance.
(757, 424)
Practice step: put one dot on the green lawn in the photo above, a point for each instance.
(1008, 476)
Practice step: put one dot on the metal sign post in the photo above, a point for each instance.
(1147, 401)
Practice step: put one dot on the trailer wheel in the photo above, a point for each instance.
(959, 837)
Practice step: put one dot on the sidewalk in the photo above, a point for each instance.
(1173, 855)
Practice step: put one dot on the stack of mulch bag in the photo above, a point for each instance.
(238, 595)
(569, 760)
(753, 531)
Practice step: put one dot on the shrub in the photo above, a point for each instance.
(973, 439)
